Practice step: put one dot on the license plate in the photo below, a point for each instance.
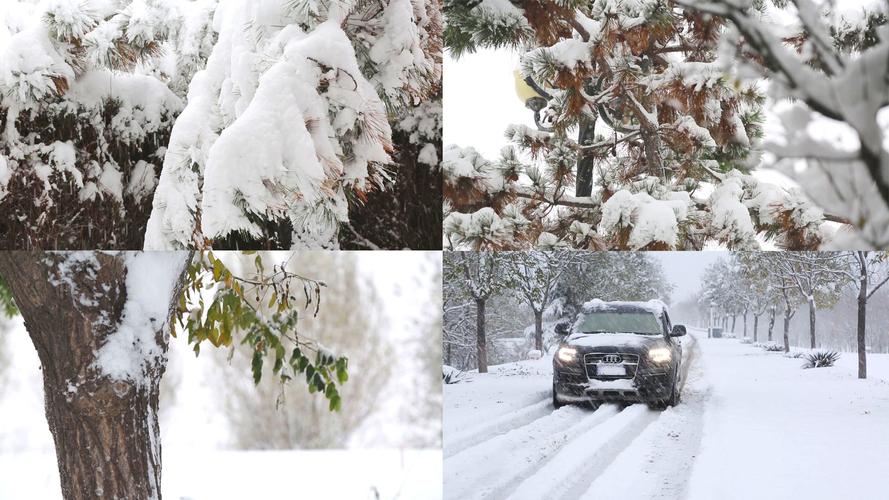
(611, 370)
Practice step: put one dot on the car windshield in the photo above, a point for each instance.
(643, 323)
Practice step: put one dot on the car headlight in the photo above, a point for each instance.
(660, 355)
(567, 354)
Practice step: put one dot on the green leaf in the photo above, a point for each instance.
(257, 366)
(336, 404)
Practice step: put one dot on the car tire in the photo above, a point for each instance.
(556, 402)
(674, 395)
(672, 400)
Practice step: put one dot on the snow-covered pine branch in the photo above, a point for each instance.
(290, 119)
(676, 136)
(836, 66)
(87, 106)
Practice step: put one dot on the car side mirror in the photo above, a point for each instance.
(563, 328)
(678, 331)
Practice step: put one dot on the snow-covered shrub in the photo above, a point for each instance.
(820, 359)
(745, 340)
(794, 354)
(535, 354)
(451, 375)
(773, 347)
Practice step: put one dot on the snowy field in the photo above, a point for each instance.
(751, 424)
(339, 474)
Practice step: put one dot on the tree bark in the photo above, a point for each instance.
(745, 325)
(772, 312)
(755, 325)
(480, 335)
(538, 330)
(734, 318)
(862, 323)
(787, 317)
(105, 431)
(812, 322)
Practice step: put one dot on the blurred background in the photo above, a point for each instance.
(223, 436)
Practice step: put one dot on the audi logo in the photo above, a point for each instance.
(612, 358)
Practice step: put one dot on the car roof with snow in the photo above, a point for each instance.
(597, 305)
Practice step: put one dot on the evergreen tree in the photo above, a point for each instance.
(640, 112)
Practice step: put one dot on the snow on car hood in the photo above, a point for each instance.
(613, 340)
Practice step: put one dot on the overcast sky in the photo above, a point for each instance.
(684, 269)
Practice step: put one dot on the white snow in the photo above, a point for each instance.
(751, 424)
(133, 348)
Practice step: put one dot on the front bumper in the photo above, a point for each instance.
(646, 386)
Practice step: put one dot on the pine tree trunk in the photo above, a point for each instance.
(772, 312)
(812, 322)
(480, 335)
(787, 316)
(538, 330)
(585, 163)
(105, 431)
(862, 323)
(734, 318)
(745, 325)
(755, 325)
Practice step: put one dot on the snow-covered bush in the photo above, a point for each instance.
(794, 354)
(773, 347)
(451, 375)
(535, 354)
(820, 359)
(745, 340)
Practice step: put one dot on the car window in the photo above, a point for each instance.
(644, 323)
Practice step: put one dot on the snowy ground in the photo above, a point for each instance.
(335, 474)
(751, 425)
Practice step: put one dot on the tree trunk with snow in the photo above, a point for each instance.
(812, 322)
(787, 316)
(755, 325)
(772, 312)
(745, 324)
(734, 319)
(538, 330)
(481, 342)
(105, 429)
(862, 320)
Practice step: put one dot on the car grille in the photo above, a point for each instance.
(629, 360)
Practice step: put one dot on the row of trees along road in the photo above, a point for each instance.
(101, 324)
(548, 284)
(772, 283)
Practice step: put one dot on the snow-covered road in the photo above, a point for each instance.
(751, 425)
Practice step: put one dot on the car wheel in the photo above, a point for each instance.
(674, 395)
(556, 402)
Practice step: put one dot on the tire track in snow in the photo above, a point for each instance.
(568, 473)
(523, 416)
(658, 463)
(579, 463)
(492, 468)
